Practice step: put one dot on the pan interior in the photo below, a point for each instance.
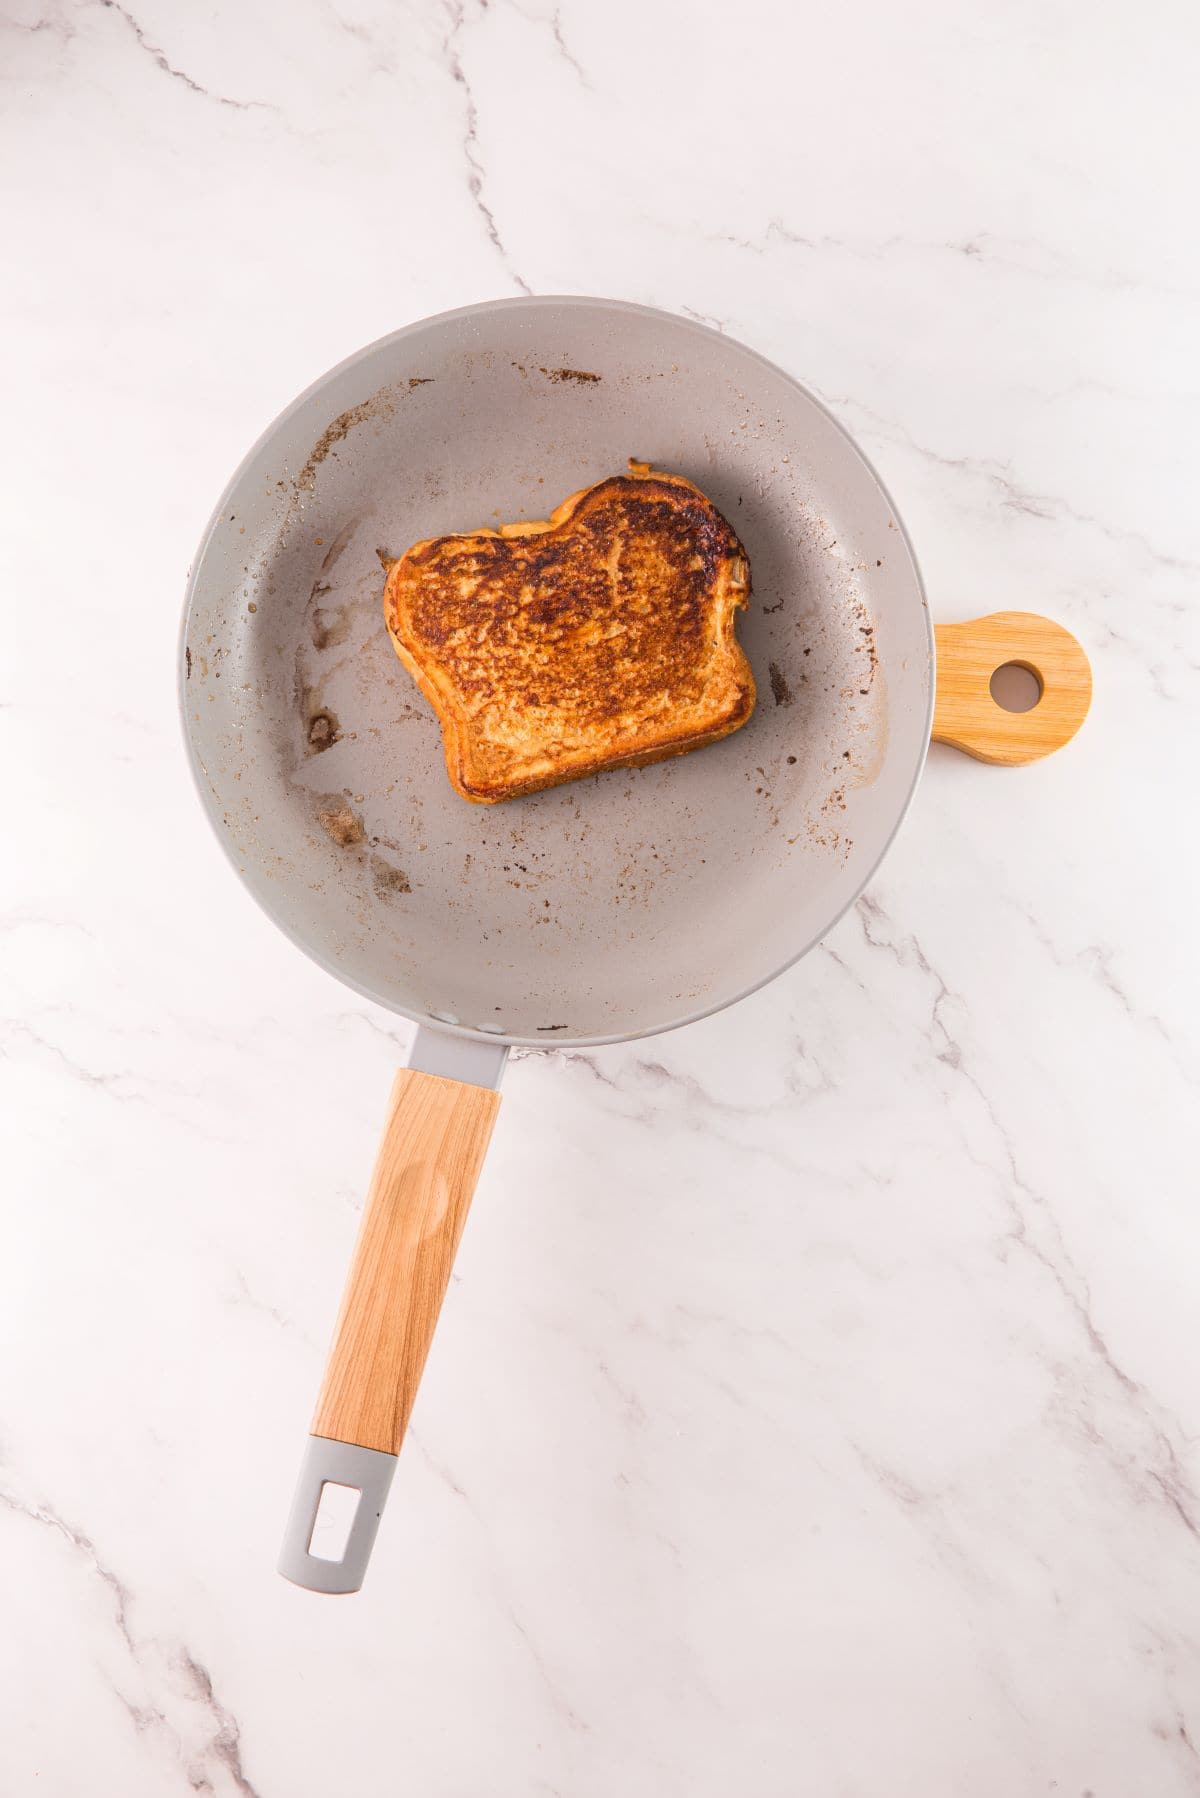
(616, 905)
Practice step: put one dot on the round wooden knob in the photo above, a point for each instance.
(965, 713)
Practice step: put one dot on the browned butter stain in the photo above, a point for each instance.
(780, 691)
(323, 731)
(328, 625)
(340, 822)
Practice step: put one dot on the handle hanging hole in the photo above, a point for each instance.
(337, 1508)
(1016, 687)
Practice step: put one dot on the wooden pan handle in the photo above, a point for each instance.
(966, 715)
(434, 1141)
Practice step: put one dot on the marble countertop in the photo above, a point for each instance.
(816, 1408)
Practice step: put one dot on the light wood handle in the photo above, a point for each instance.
(966, 715)
(434, 1142)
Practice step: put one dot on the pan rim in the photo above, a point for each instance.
(208, 799)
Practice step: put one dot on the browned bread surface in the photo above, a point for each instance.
(602, 637)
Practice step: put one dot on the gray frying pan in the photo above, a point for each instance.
(608, 909)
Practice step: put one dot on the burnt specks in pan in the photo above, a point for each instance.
(545, 1029)
(569, 374)
(780, 691)
(323, 731)
(341, 427)
(187, 656)
(380, 405)
(389, 881)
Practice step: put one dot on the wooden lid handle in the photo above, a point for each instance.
(966, 715)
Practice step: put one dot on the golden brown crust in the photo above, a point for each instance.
(602, 637)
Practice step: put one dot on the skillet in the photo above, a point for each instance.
(592, 913)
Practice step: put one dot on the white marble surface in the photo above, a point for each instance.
(816, 1411)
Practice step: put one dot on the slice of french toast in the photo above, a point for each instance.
(602, 637)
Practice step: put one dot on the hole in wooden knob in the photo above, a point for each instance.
(1015, 688)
